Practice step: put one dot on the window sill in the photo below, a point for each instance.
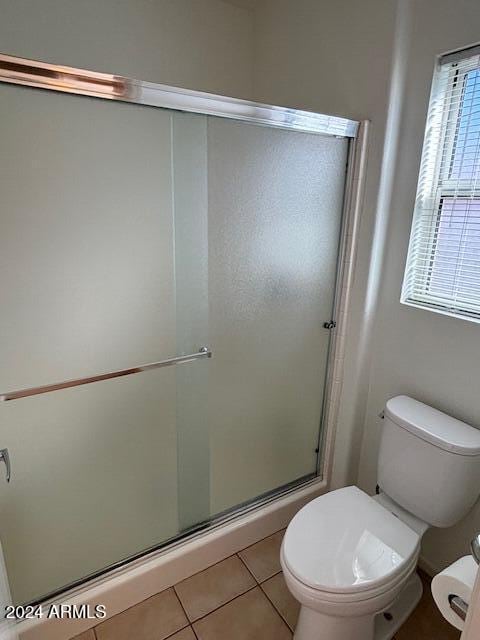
(438, 310)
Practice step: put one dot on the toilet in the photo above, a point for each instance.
(350, 558)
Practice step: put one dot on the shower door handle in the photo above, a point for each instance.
(5, 457)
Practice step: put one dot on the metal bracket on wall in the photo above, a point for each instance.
(458, 605)
(5, 457)
(329, 325)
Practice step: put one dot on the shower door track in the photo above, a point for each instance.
(53, 77)
(171, 543)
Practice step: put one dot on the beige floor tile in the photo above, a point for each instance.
(263, 558)
(184, 634)
(217, 585)
(281, 598)
(426, 622)
(154, 619)
(86, 635)
(248, 617)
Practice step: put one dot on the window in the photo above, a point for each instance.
(443, 264)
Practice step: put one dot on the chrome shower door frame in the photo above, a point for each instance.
(47, 76)
(43, 75)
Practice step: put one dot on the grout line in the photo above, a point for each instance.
(237, 553)
(239, 595)
(194, 632)
(276, 608)
(262, 539)
(270, 577)
(261, 591)
(142, 601)
(190, 623)
(206, 569)
(198, 572)
(177, 631)
(133, 606)
(247, 568)
(225, 604)
(220, 604)
(183, 608)
(277, 611)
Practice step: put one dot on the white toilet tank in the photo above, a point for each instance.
(429, 462)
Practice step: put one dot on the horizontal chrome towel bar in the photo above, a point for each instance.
(204, 352)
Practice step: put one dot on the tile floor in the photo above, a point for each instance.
(241, 598)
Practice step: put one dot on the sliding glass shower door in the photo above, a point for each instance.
(131, 235)
(87, 255)
(275, 202)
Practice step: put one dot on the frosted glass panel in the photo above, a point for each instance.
(130, 235)
(94, 479)
(190, 198)
(275, 204)
(88, 269)
(86, 237)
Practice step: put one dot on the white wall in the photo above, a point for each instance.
(199, 44)
(433, 358)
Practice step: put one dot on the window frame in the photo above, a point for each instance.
(441, 115)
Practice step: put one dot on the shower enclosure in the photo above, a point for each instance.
(169, 260)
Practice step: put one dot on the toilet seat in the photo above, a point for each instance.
(345, 546)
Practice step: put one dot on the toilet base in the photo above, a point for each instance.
(399, 610)
(314, 625)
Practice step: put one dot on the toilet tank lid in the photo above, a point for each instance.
(434, 426)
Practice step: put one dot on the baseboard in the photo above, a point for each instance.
(427, 567)
(144, 578)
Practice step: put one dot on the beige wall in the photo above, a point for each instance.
(277, 50)
(433, 358)
(347, 58)
(335, 58)
(199, 44)
(53, 509)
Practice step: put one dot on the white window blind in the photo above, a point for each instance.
(443, 264)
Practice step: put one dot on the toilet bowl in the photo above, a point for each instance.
(349, 558)
(346, 558)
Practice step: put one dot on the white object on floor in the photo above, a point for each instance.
(7, 627)
(349, 558)
(456, 580)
